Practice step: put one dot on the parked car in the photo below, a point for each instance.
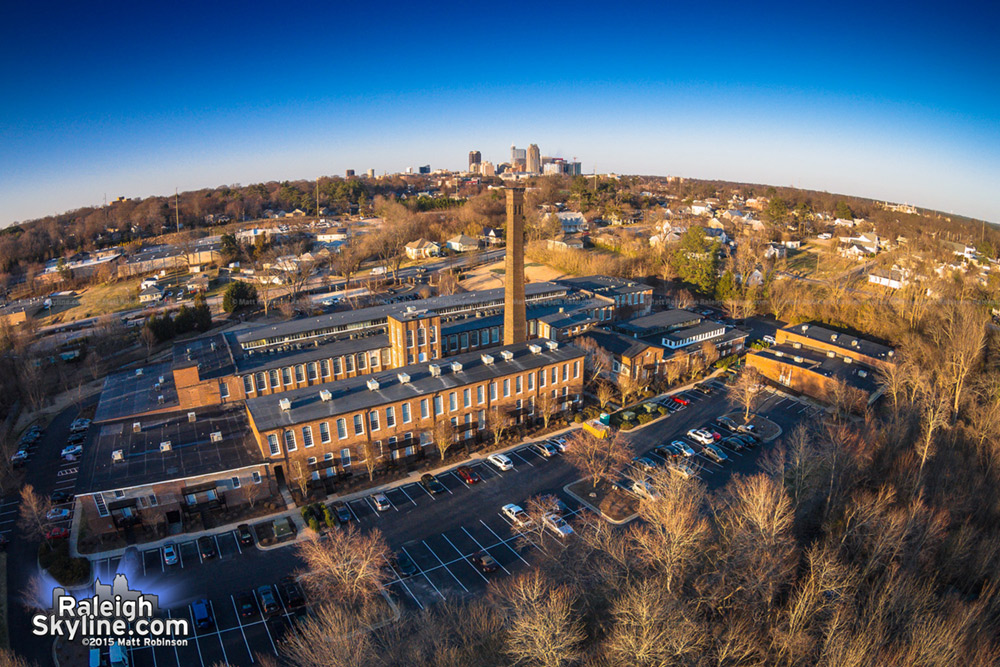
(79, 425)
(291, 592)
(715, 453)
(643, 489)
(726, 422)
(244, 535)
(342, 513)
(704, 389)
(747, 442)
(684, 448)
(404, 565)
(518, 516)
(501, 461)
(701, 436)
(169, 551)
(734, 443)
(268, 600)
(57, 533)
(545, 449)
(245, 605)
(668, 452)
(748, 430)
(59, 497)
(681, 400)
(432, 484)
(468, 475)
(381, 502)
(559, 443)
(682, 470)
(19, 458)
(555, 523)
(201, 610)
(206, 546)
(644, 464)
(72, 450)
(483, 562)
(57, 514)
(768, 338)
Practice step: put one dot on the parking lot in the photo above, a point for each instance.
(438, 533)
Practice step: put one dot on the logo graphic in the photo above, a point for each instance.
(114, 615)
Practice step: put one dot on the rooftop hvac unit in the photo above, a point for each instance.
(404, 378)
(215, 436)
(212, 345)
(159, 399)
(831, 354)
(797, 346)
(166, 446)
(192, 417)
(456, 367)
(487, 359)
(552, 345)
(833, 337)
(889, 353)
(507, 355)
(805, 327)
(847, 360)
(435, 370)
(779, 353)
(285, 404)
(862, 374)
(797, 359)
(373, 385)
(138, 372)
(325, 395)
(156, 387)
(159, 380)
(117, 455)
(188, 350)
(535, 349)
(136, 427)
(854, 343)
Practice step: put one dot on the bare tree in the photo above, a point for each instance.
(371, 456)
(934, 415)
(251, 493)
(546, 404)
(32, 512)
(347, 261)
(301, 479)
(605, 392)
(266, 278)
(444, 436)
(961, 339)
(148, 338)
(10, 659)
(651, 628)
(389, 242)
(598, 360)
(542, 629)
(345, 565)
(747, 389)
(709, 353)
(331, 637)
(628, 386)
(597, 457)
(497, 421)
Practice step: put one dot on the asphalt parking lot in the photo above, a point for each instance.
(438, 533)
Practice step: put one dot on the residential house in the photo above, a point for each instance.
(565, 242)
(492, 236)
(571, 222)
(462, 243)
(422, 248)
(894, 278)
(151, 294)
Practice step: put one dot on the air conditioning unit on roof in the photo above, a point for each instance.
(215, 436)
(404, 378)
(325, 395)
(435, 370)
(285, 404)
(165, 446)
(535, 349)
(373, 385)
(552, 345)
(487, 359)
(138, 372)
(507, 355)
(160, 399)
(456, 367)
(117, 455)
(136, 427)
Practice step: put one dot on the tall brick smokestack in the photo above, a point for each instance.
(515, 325)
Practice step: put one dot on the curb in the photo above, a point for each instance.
(617, 522)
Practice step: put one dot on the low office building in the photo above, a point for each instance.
(821, 362)
(324, 431)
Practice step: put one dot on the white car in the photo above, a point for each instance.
(682, 470)
(79, 425)
(19, 456)
(56, 514)
(701, 436)
(381, 502)
(72, 450)
(559, 443)
(557, 525)
(715, 453)
(643, 489)
(501, 461)
(518, 516)
(684, 447)
(768, 338)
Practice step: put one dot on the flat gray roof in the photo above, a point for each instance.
(126, 394)
(842, 340)
(352, 395)
(263, 361)
(193, 452)
(666, 319)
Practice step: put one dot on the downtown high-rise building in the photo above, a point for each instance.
(534, 164)
(518, 158)
(475, 157)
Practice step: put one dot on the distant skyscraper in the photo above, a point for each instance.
(475, 157)
(534, 159)
(426, 169)
(349, 173)
(371, 173)
(518, 157)
(487, 169)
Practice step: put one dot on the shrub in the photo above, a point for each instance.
(328, 517)
(314, 524)
(645, 418)
(578, 418)
(662, 410)
(239, 295)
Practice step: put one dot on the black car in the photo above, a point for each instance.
(747, 434)
(703, 388)
(404, 565)
(280, 629)
(432, 484)
(268, 600)
(206, 546)
(244, 535)
(734, 443)
(746, 440)
(484, 562)
(61, 497)
(668, 452)
(291, 592)
(245, 605)
(342, 513)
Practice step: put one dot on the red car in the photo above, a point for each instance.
(682, 401)
(468, 475)
(57, 533)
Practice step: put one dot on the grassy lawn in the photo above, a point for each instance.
(98, 300)
(811, 261)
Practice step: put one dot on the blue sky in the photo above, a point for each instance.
(137, 99)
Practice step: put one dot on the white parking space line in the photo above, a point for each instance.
(804, 408)
(407, 495)
(351, 510)
(180, 556)
(424, 488)
(465, 558)
(503, 542)
(373, 508)
(242, 632)
(260, 605)
(459, 478)
(237, 538)
(217, 549)
(177, 656)
(194, 627)
(523, 460)
(482, 548)
(444, 566)
(399, 578)
(420, 570)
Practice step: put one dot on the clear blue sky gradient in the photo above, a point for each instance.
(137, 99)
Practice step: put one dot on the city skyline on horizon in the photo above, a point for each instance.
(890, 107)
